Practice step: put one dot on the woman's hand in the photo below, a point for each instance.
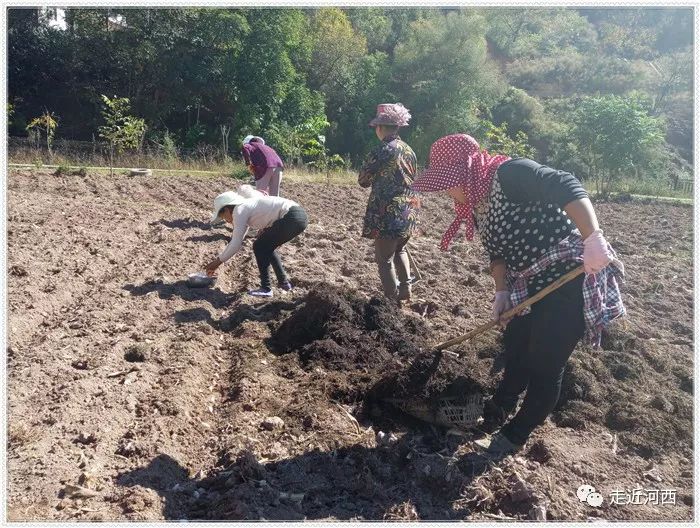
(501, 304)
(212, 266)
(595, 252)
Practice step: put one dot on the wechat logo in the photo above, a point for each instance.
(587, 493)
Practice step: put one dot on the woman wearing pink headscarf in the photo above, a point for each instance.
(392, 208)
(536, 223)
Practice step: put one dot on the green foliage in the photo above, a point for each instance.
(121, 130)
(572, 73)
(168, 147)
(520, 111)
(279, 72)
(45, 124)
(614, 135)
(337, 48)
(373, 24)
(62, 170)
(195, 135)
(442, 73)
(320, 159)
(295, 142)
(241, 172)
(499, 141)
(536, 32)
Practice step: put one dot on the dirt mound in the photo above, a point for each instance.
(624, 387)
(432, 375)
(343, 315)
(372, 342)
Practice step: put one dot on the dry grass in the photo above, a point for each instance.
(165, 167)
(18, 435)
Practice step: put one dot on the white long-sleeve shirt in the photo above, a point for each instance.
(258, 212)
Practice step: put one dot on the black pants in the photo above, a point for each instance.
(537, 347)
(283, 230)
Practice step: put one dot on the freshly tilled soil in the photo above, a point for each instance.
(135, 397)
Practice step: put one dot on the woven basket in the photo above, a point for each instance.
(460, 412)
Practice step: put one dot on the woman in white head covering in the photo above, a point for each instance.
(264, 163)
(279, 220)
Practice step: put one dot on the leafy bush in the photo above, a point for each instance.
(241, 172)
(121, 130)
(62, 170)
(615, 135)
(499, 141)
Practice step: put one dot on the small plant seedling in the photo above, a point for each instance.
(62, 170)
(45, 124)
(121, 130)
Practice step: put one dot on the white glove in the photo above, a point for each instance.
(595, 252)
(501, 304)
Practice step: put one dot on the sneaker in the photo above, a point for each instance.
(261, 292)
(498, 446)
(286, 286)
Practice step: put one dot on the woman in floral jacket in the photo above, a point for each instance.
(392, 209)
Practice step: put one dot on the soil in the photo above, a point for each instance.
(135, 397)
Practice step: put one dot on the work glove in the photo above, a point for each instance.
(596, 254)
(501, 304)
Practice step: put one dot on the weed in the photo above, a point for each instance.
(62, 170)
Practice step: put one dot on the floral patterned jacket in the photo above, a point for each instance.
(392, 210)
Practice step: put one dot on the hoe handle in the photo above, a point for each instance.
(514, 311)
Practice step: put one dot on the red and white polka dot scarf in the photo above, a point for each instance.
(458, 161)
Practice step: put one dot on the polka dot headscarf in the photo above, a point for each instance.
(458, 161)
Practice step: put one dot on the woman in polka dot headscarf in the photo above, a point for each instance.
(536, 223)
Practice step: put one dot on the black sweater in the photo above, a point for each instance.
(525, 216)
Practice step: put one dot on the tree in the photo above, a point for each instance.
(373, 24)
(442, 73)
(121, 130)
(537, 32)
(498, 140)
(520, 110)
(45, 124)
(672, 75)
(10, 113)
(613, 133)
(337, 48)
(292, 140)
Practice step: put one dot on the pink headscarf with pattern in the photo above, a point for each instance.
(458, 161)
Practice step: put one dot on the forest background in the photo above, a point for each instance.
(604, 93)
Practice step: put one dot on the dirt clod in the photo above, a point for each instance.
(272, 422)
(137, 353)
(86, 438)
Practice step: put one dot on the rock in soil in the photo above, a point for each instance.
(272, 422)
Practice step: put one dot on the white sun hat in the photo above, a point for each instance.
(224, 199)
(250, 138)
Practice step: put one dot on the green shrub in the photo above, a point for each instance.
(240, 172)
(62, 170)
